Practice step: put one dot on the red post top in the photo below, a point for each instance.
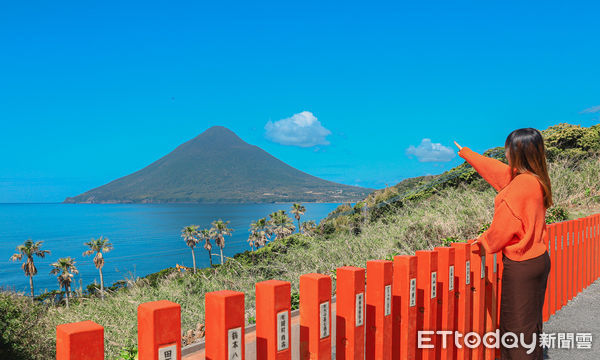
(315, 316)
(462, 304)
(404, 309)
(461, 257)
(379, 310)
(80, 340)
(354, 274)
(446, 299)
(277, 291)
(159, 325)
(427, 266)
(446, 270)
(224, 321)
(318, 283)
(478, 258)
(406, 266)
(427, 300)
(350, 313)
(273, 318)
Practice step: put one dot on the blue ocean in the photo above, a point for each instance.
(146, 238)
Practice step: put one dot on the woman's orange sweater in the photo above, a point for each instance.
(519, 225)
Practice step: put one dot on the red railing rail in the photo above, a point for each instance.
(445, 289)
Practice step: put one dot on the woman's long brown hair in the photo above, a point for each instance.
(527, 154)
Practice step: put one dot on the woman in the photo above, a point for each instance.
(518, 230)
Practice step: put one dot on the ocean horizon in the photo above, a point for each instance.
(146, 237)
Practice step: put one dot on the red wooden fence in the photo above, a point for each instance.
(445, 289)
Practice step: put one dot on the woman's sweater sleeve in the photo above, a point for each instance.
(494, 171)
(505, 226)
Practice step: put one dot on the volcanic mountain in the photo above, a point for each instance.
(218, 166)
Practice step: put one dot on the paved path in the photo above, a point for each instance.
(580, 315)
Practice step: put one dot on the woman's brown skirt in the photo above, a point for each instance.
(523, 290)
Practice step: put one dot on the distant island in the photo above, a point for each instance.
(217, 166)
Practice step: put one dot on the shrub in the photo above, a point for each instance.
(295, 300)
(448, 241)
(22, 328)
(556, 214)
(483, 228)
(129, 352)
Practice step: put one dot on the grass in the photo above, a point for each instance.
(458, 213)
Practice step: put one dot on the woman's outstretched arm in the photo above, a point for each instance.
(494, 171)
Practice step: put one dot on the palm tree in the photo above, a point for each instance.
(205, 235)
(298, 210)
(308, 227)
(281, 225)
(65, 269)
(98, 246)
(190, 236)
(218, 231)
(260, 232)
(29, 249)
(253, 240)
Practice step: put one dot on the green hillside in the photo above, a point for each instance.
(431, 212)
(218, 166)
(562, 141)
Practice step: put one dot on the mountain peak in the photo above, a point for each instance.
(218, 166)
(218, 130)
(218, 136)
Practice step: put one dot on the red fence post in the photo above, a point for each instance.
(579, 257)
(273, 304)
(379, 310)
(159, 330)
(491, 303)
(592, 236)
(79, 341)
(576, 259)
(553, 265)
(594, 255)
(564, 251)
(350, 313)
(587, 251)
(478, 277)
(596, 241)
(404, 308)
(590, 248)
(224, 322)
(559, 266)
(571, 282)
(315, 316)
(462, 307)
(446, 298)
(584, 251)
(427, 303)
(546, 310)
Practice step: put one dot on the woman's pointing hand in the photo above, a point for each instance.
(458, 146)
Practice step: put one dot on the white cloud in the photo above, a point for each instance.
(430, 152)
(592, 110)
(302, 129)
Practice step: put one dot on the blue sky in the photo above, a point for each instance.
(91, 91)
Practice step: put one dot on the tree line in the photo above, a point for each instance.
(262, 231)
(63, 268)
(278, 224)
